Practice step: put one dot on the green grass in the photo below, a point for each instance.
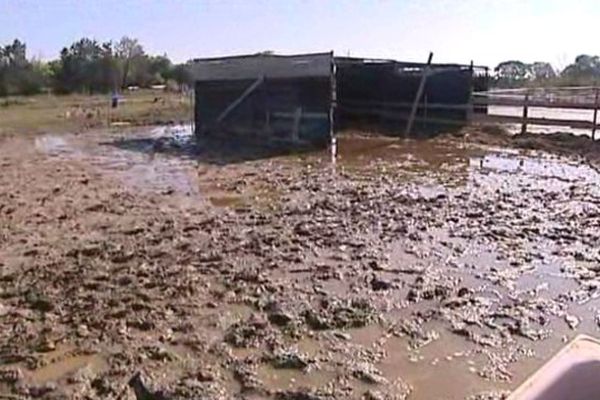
(77, 113)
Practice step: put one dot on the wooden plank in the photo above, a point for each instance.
(240, 99)
(477, 118)
(510, 119)
(479, 102)
(397, 115)
(403, 105)
(512, 102)
(413, 111)
(305, 115)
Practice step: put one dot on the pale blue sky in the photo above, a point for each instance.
(486, 31)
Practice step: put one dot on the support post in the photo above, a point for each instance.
(332, 107)
(525, 112)
(413, 111)
(595, 119)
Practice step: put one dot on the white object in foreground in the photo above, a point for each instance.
(572, 374)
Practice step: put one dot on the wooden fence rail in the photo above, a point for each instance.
(477, 110)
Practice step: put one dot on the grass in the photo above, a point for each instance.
(77, 113)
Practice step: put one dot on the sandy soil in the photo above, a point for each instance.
(142, 265)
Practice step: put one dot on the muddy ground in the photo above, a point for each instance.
(140, 265)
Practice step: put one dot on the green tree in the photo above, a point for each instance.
(542, 71)
(130, 54)
(512, 73)
(86, 66)
(584, 71)
(17, 74)
(181, 73)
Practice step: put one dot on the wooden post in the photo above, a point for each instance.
(525, 112)
(595, 119)
(413, 111)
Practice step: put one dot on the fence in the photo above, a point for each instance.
(572, 107)
(559, 103)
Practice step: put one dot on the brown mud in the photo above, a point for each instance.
(146, 265)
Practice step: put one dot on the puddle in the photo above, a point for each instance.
(64, 362)
(367, 336)
(68, 366)
(282, 379)
(53, 145)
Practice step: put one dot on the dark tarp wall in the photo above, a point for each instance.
(274, 97)
(269, 111)
(382, 92)
(298, 97)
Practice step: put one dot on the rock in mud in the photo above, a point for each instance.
(142, 392)
(11, 375)
(290, 359)
(248, 333)
(367, 373)
(302, 394)
(340, 314)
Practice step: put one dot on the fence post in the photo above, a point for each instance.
(595, 119)
(525, 112)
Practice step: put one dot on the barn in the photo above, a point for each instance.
(307, 98)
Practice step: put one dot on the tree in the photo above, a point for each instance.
(512, 73)
(17, 74)
(129, 52)
(86, 66)
(181, 73)
(159, 68)
(585, 70)
(542, 71)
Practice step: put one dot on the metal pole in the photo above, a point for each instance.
(332, 106)
(595, 119)
(413, 111)
(525, 112)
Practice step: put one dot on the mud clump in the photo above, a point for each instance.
(340, 314)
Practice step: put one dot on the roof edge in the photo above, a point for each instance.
(263, 54)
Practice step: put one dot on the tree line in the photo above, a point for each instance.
(584, 71)
(87, 66)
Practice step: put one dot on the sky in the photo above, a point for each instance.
(485, 31)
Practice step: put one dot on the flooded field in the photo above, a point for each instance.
(148, 265)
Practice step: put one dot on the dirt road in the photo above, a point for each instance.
(406, 270)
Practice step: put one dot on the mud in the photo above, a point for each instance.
(146, 265)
